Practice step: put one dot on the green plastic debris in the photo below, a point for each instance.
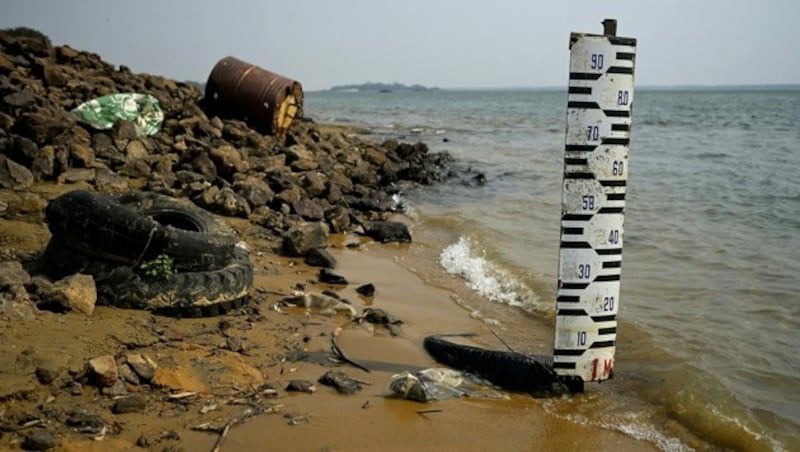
(141, 109)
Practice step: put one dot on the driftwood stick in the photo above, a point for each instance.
(246, 414)
(424, 412)
(222, 435)
(340, 354)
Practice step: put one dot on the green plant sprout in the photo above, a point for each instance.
(161, 267)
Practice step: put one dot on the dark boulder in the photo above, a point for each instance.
(328, 277)
(366, 290)
(388, 231)
(320, 257)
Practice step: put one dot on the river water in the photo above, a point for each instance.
(709, 311)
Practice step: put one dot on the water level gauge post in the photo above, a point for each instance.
(599, 113)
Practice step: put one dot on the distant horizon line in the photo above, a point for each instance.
(723, 87)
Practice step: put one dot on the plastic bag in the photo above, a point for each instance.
(440, 384)
(141, 109)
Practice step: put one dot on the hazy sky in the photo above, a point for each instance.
(450, 44)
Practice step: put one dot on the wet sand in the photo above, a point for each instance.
(195, 356)
(369, 419)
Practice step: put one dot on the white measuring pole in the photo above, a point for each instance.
(599, 107)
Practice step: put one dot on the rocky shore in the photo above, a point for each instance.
(130, 378)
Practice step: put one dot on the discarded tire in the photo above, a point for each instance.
(136, 227)
(188, 294)
(508, 370)
(108, 236)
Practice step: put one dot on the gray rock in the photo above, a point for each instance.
(127, 374)
(40, 285)
(82, 154)
(143, 365)
(84, 419)
(255, 191)
(136, 150)
(73, 388)
(328, 277)
(309, 209)
(300, 158)
(136, 168)
(75, 175)
(366, 290)
(290, 196)
(132, 404)
(12, 274)
(51, 368)
(339, 380)
(19, 98)
(228, 161)
(108, 181)
(338, 218)
(16, 305)
(39, 440)
(42, 127)
(388, 231)
(320, 257)
(232, 204)
(301, 386)
(25, 204)
(13, 175)
(75, 292)
(44, 162)
(116, 390)
(303, 238)
(203, 165)
(124, 130)
(104, 369)
(314, 183)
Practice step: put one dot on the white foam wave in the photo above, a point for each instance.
(651, 435)
(486, 278)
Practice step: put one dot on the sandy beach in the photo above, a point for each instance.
(202, 377)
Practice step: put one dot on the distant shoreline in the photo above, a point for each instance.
(765, 87)
(380, 87)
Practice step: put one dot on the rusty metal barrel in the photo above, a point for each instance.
(264, 99)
